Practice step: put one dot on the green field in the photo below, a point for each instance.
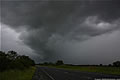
(18, 74)
(97, 69)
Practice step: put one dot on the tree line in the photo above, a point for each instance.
(11, 60)
(60, 62)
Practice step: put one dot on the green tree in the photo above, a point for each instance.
(116, 64)
(4, 61)
(12, 60)
(12, 55)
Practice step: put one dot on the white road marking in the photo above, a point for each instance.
(47, 74)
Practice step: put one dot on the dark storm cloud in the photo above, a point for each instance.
(47, 25)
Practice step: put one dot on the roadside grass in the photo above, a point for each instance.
(97, 69)
(18, 74)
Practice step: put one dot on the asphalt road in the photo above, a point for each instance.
(45, 73)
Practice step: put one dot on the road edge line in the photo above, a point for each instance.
(48, 74)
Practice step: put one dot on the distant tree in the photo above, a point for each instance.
(116, 64)
(59, 62)
(109, 65)
(101, 64)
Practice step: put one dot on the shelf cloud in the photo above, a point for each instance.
(48, 26)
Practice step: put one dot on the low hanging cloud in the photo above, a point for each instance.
(46, 26)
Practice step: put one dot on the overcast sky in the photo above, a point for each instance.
(76, 31)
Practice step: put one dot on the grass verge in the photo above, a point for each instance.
(18, 74)
(97, 69)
